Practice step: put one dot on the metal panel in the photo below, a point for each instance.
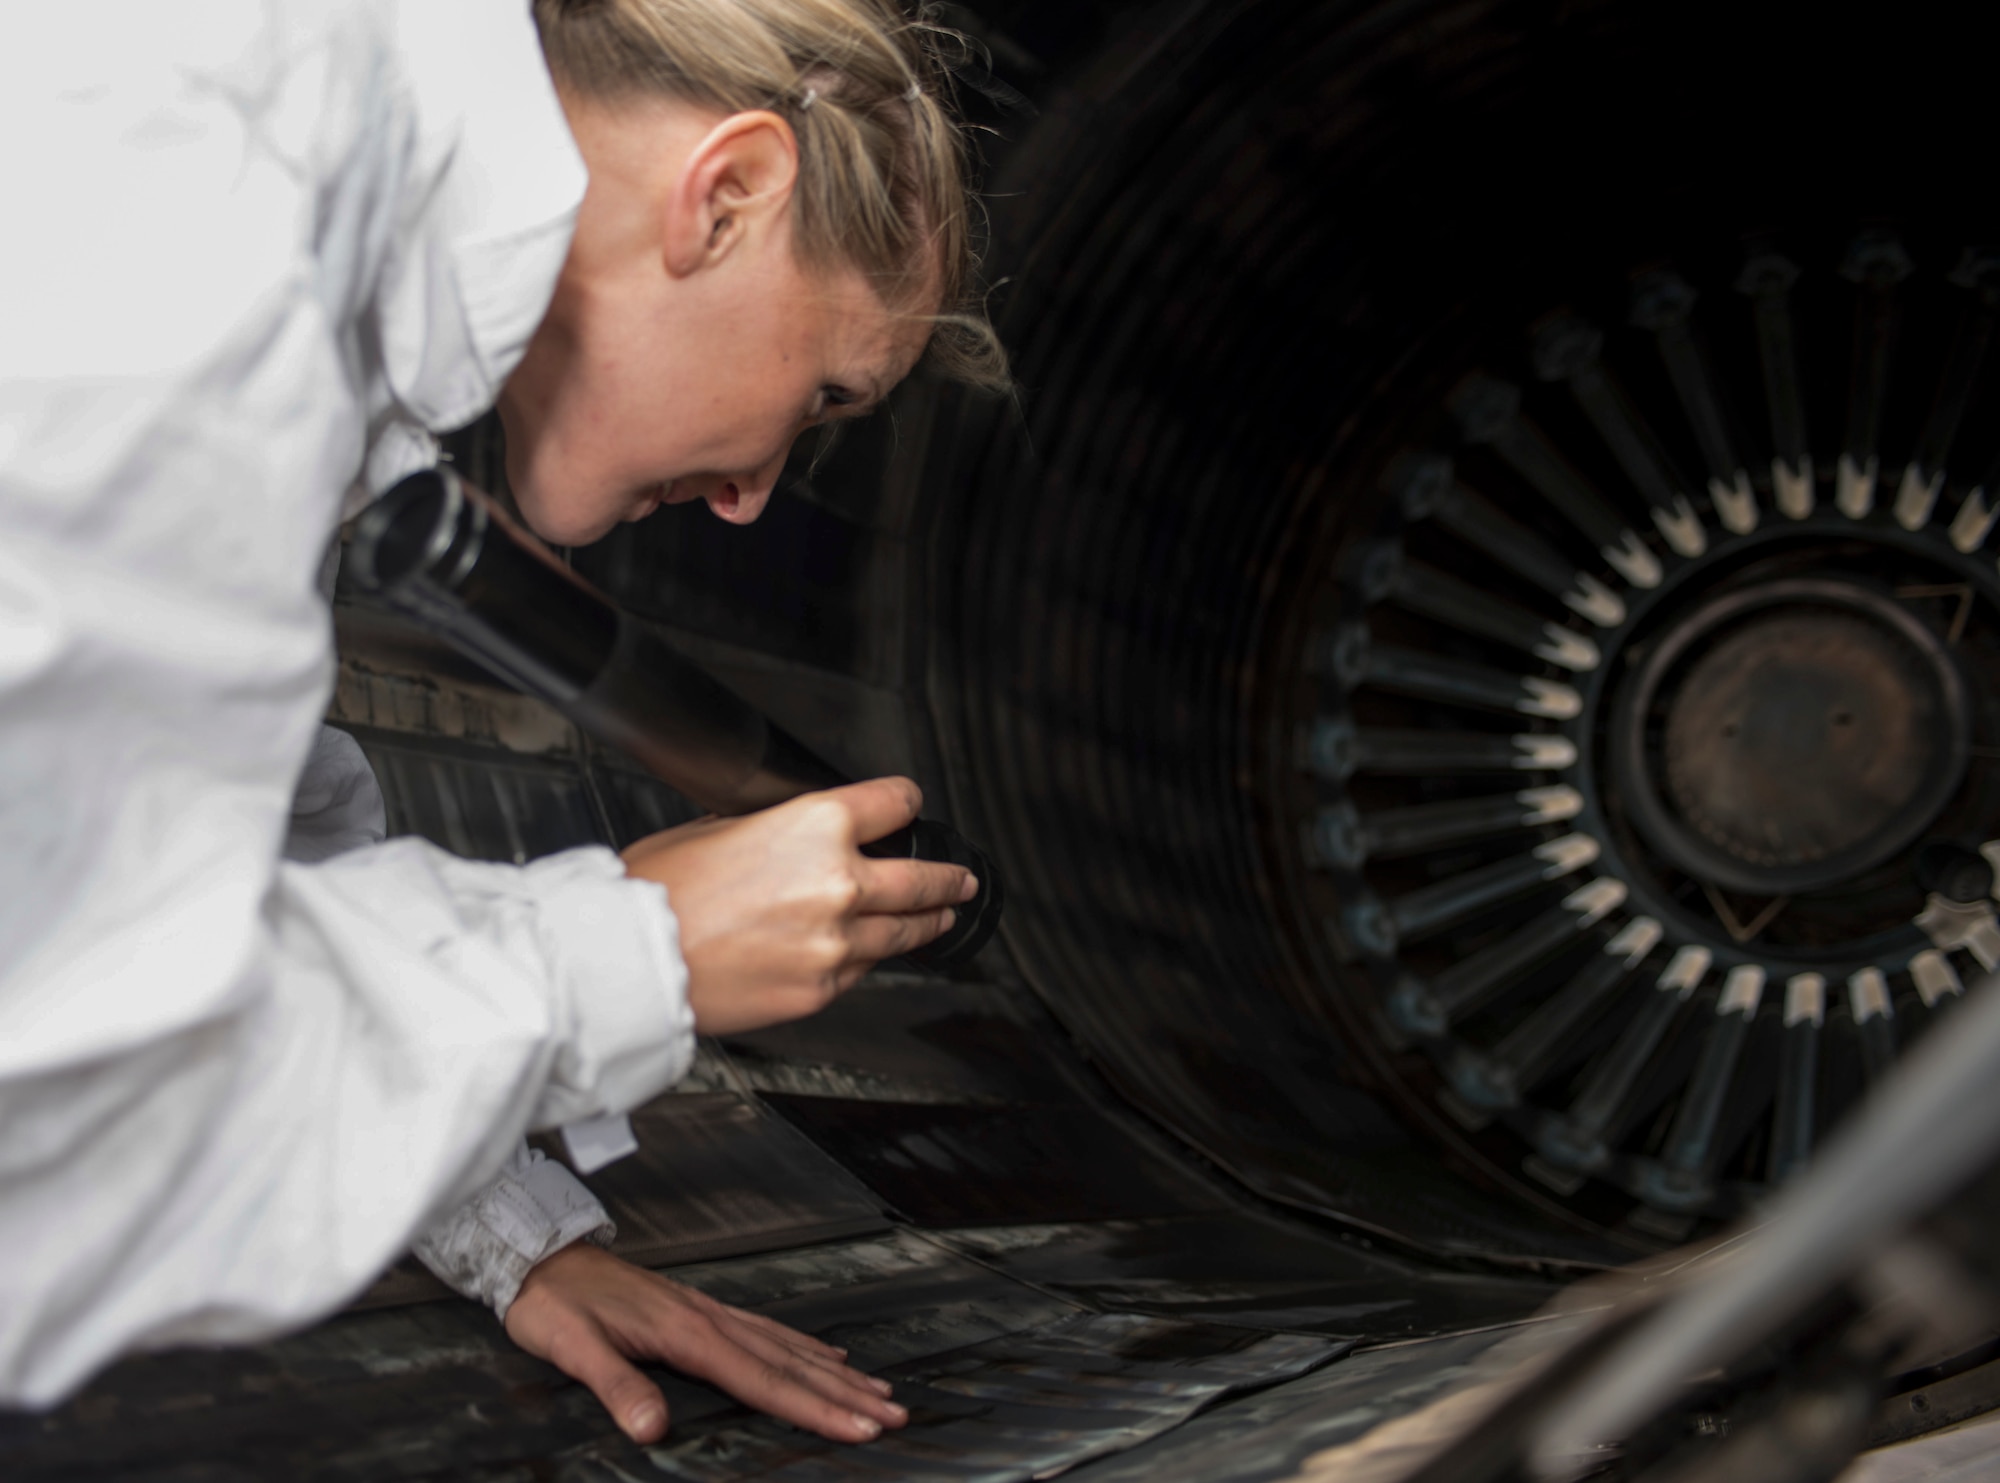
(481, 802)
(945, 1165)
(716, 1175)
(1014, 1408)
(937, 1041)
(1244, 1269)
(1269, 1435)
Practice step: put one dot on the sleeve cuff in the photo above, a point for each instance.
(613, 944)
(485, 1248)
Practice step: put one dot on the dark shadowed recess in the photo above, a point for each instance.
(1243, 261)
(1241, 252)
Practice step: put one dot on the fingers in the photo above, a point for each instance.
(805, 1346)
(878, 807)
(848, 1388)
(584, 1353)
(763, 1374)
(899, 886)
(871, 939)
(781, 1333)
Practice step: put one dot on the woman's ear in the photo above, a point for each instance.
(735, 183)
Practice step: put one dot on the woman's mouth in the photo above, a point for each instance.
(651, 500)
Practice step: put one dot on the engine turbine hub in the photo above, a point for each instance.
(1811, 730)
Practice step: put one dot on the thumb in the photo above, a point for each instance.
(633, 1401)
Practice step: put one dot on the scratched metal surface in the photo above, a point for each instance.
(716, 1175)
(935, 1040)
(1013, 1408)
(1241, 1267)
(1271, 1434)
(1003, 1382)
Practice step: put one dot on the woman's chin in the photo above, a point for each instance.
(559, 525)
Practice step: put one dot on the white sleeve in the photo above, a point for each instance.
(234, 1089)
(407, 1017)
(534, 1207)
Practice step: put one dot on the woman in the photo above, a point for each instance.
(269, 251)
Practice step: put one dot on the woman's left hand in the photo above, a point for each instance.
(590, 1315)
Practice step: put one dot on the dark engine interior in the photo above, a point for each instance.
(1482, 475)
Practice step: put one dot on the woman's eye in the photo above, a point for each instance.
(829, 399)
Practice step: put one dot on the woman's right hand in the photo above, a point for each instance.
(780, 912)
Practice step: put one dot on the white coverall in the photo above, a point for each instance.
(249, 253)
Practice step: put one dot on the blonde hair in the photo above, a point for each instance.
(883, 183)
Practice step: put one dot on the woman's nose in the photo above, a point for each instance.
(742, 499)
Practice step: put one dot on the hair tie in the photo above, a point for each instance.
(811, 97)
(916, 91)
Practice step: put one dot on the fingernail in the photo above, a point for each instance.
(881, 1387)
(869, 1426)
(642, 1420)
(898, 1412)
(970, 889)
(950, 920)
